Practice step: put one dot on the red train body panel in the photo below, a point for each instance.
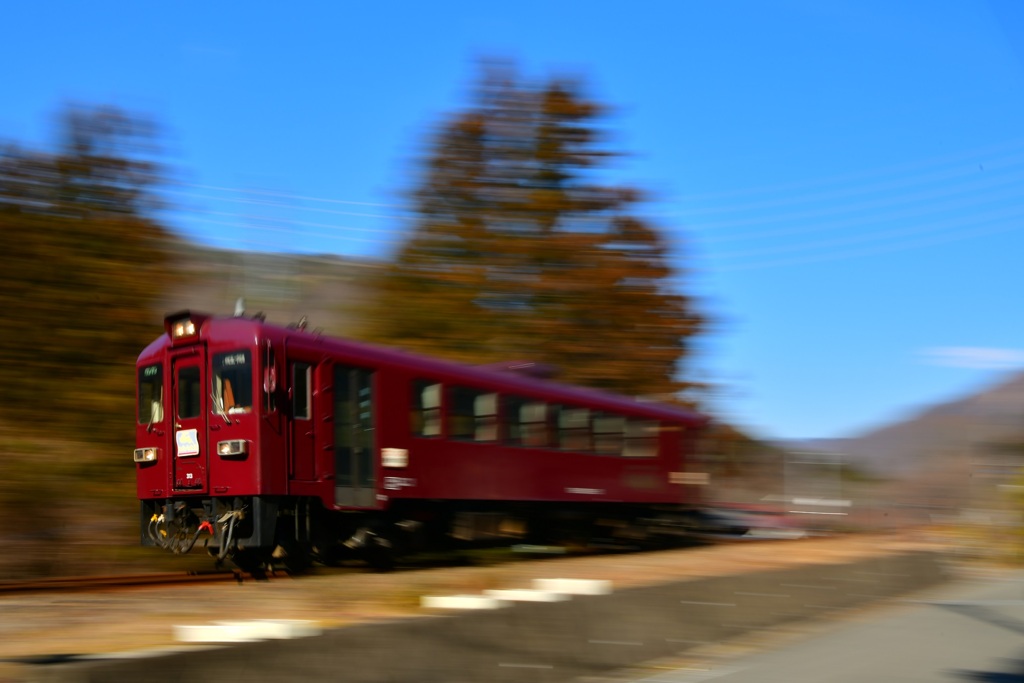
(269, 439)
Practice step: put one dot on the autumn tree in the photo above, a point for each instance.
(518, 250)
(84, 262)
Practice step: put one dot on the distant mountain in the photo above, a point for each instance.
(981, 434)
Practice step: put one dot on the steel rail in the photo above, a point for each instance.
(85, 583)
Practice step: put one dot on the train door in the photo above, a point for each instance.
(354, 442)
(303, 426)
(188, 401)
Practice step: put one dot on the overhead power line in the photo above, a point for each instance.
(907, 206)
(285, 195)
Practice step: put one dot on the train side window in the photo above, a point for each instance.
(151, 394)
(641, 439)
(525, 422)
(472, 415)
(608, 434)
(301, 390)
(269, 379)
(511, 407)
(426, 408)
(574, 429)
(460, 413)
(485, 417)
(533, 420)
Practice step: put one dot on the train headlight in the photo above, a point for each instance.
(183, 328)
(147, 454)
(234, 447)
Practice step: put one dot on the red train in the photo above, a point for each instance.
(272, 444)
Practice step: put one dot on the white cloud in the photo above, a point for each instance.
(974, 357)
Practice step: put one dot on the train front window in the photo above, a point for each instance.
(232, 383)
(151, 394)
(189, 392)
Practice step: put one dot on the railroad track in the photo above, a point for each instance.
(83, 583)
(469, 557)
(117, 581)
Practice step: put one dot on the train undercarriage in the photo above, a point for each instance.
(260, 533)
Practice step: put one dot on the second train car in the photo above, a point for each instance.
(272, 444)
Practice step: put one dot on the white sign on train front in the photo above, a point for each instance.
(187, 441)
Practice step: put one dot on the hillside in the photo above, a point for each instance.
(965, 453)
(285, 287)
(984, 430)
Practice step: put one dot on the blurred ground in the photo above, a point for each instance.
(113, 621)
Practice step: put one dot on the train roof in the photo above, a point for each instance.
(518, 376)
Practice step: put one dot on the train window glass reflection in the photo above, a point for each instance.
(574, 429)
(641, 439)
(608, 434)
(426, 408)
(151, 394)
(232, 382)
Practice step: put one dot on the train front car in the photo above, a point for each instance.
(204, 391)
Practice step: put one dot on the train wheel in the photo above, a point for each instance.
(293, 556)
(250, 562)
(381, 551)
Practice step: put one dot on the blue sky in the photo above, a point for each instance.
(841, 181)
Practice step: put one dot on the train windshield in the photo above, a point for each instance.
(151, 396)
(232, 383)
